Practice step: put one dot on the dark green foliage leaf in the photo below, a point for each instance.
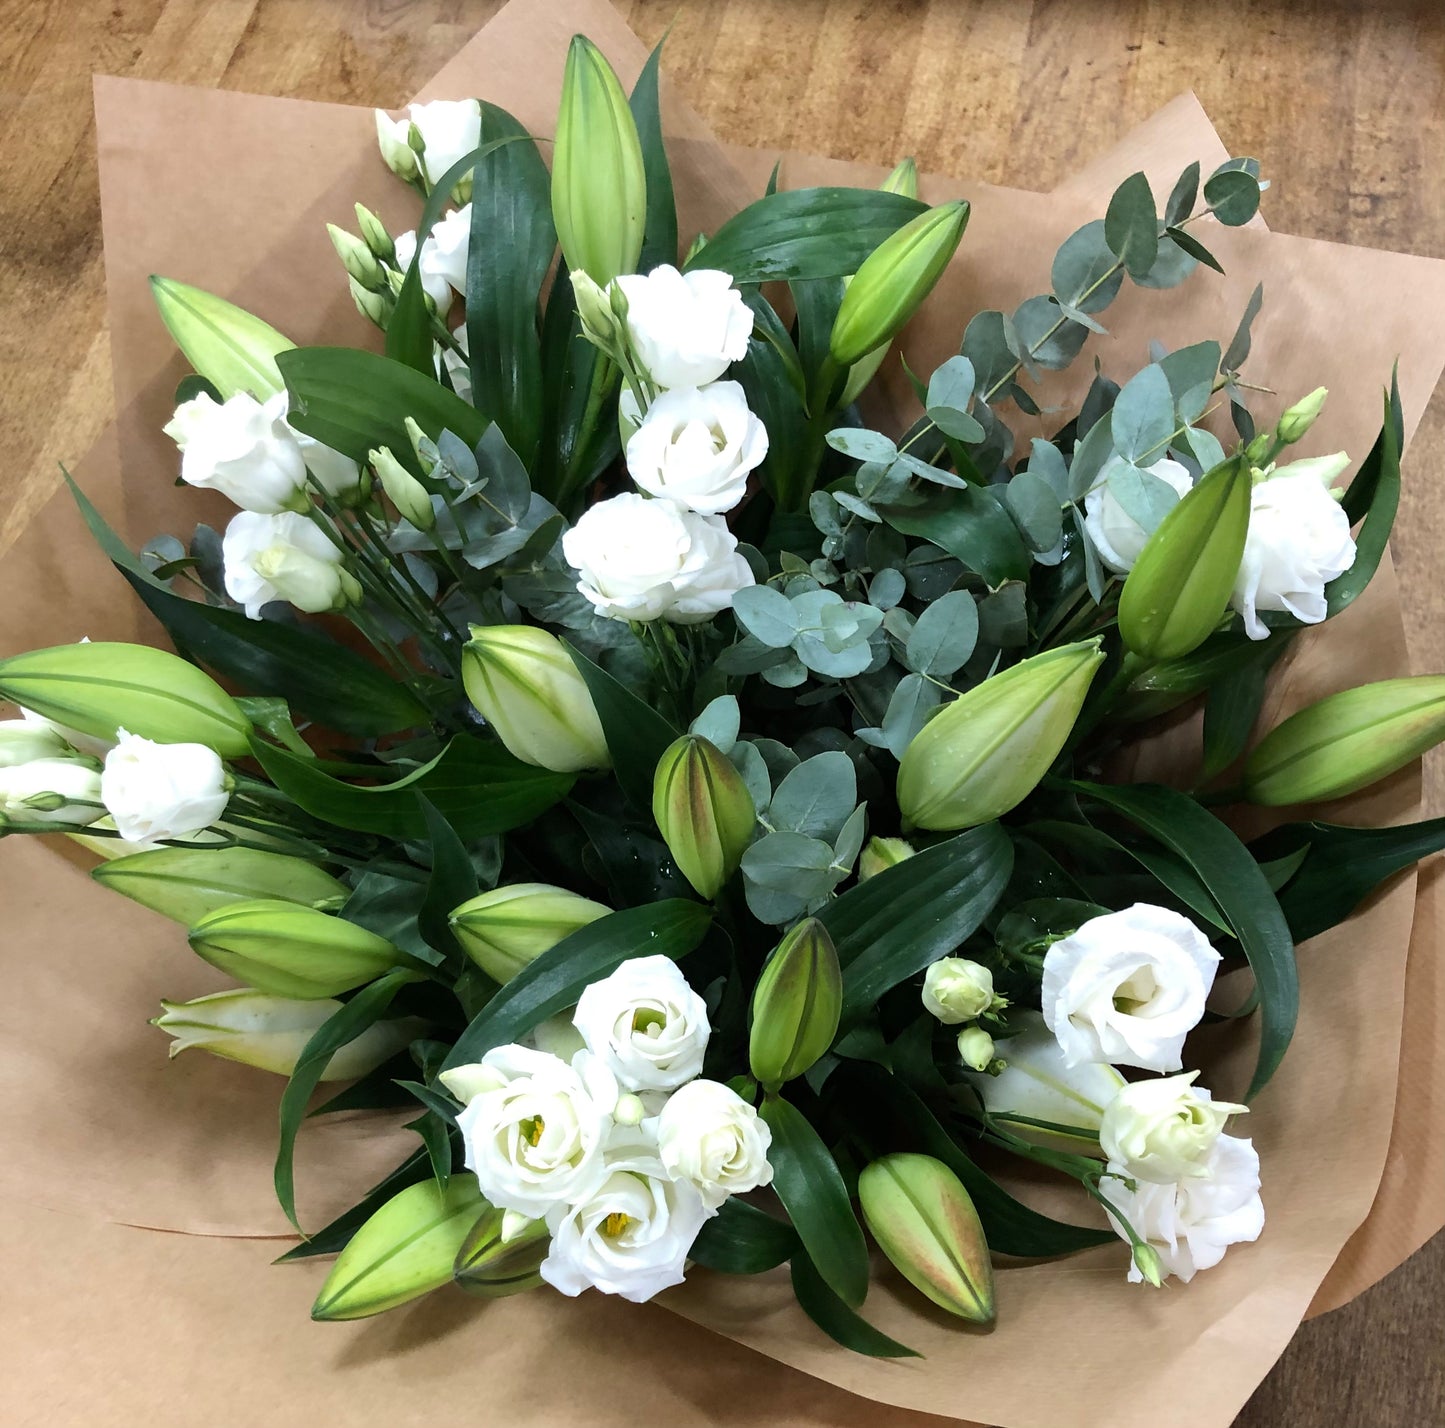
(1232, 191)
(1131, 226)
(437, 1141)
(389, 906)
(1194, 248)
(1231, 708)
(1182, 196)
(337, 1235)
(1378, 482)
(1238, 349)
(836, 1319)
(659, 244)
(453, 880)
(970, 525)
(741, 1239)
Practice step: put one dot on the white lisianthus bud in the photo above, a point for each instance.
(157, 791)
(685, 328)
(1163, 1130)
(407, 494)
(1299, 540)
(882, 853)
(956, 990)
(975, 1048)
(284, 557)
(356, 257)
(644, 560)
(696, 446)
(392, 140)
(42, 792)
(22, 741)
(708, 1135)
(1296, 420)
(595, 311)
(374, 307)
(443, 264)
(242, 448)
(645, 1024)
(1117, 536)
(1189, 1224)
(450, 129)
(1128, 987)
(533, 1126)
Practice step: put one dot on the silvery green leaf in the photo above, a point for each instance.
(1051, 339)
(805, 584)
(985, 344)
(1171, 267)
(792, 564)
(1090, 456)
(808, 607)
(857, 506)
(899, 623)
(1003, 619)
(955, 423)
(1203, 446)
(1240, 415)
(790, 862)
(1145, 498)
(1075, 314)
(816, 798)
(458, 461)
(1233, 190)
(1131, 225)
(850, 622)
(944, 635)
(1047, 462)
(1143, 417)
(1086, 275)
(422, 572)
(913, 701)
(849, 842)
(887, 588)
(873, 737)
(749, 656)
(1023, 400)
(1182, 196)
(779, 758)
(1195, 249)
(928, 472)
(488, 550)
(1191, 372)
(766, 614)
(950, 390)
(1094, 574)
(745, 758)
(835, 664)
(771, 907)
(757, 561)
(508, 489)
(1036, 508)
(1098, 402)
(930, 572)
(788, 674)
(1238, 349)
(823, 511)
(862, 444)
(823, 572)
(719, 723)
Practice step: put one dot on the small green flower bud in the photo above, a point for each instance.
(374, 234)
(903, 179)
(984, 753)
(1179, 588)
(406, 1249)
(186, 884)
(375, 307)
(397, 139)
(1146, 1261)
(231, 349)
(594, 308)
(290, 950)
(956, 990)
(881, 853)
(1299, 418)
(925, 1222)
(894, 280)
(501, 1255)
(422, 446)
(797, 1004)
(358, 260)
(975, 1048)
(599, 187)
(100, 688)
(522, 681)
(407, 494)
(508, 928)
(1347, 741)
(703, 811)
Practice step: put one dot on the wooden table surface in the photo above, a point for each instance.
(1340, 99)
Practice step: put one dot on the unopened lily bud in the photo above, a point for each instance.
(501, 1255)
(186, 884)
(881, 853)
(374, 234)
(986, 752)
(406, 1249)
(975, 1048)
(894, 280)
(271, 1032)
(704, 812)
(594, 308)
(358, 260)
(797, 1004)
(24, 740)
(375, 307)
(925, 1222)
(508, 928)
(903, 179)
(232, 349)
(957, 990)
(100, 688)
(522, 681)
(599, 187)
(1299, 418)
(1179, 588)
(407, 494)
(1347, 741)
(291, 951)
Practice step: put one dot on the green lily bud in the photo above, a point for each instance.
(99, 688)
(881, 853)
(270, 1033)
(925, 1222)
(186, 884)
(1179, 588)
(599, 187)
(522, 681)
(894, 280)
(796, 1005)
(502, 1254)
(986, 752)
(231, 349)
(1347, 741)
(704, 812)
(358, 260)
(903, 179)
(1299, 418)
(291, 951)
(407, 494)
(406, 1249)
(374, 234)
(975, 1048)
(506, 929)
(375, 307)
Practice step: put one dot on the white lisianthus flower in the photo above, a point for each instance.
(443, 265)
(450, 130)
(242, 448)
(685, 328)
(645, 1024)
(696, 446)
(392, 138)
(709, 1136)
(83, 743)
(51, 782)
(534, 1126)
(641, 559)
(284, 557)
(336, 474)
(22, 741)
(156, 791)
(956, 990)
(1163, 1130)
(1117, 536)
(631, 1231)
(457, 365)
(1190, 1223)
(1128, 987)
(1299, 540)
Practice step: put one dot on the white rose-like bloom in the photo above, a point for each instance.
(1163, 1130)
(336, 474)
(154, 791)
(242, 448)
(1192, 1222)
(645, 1024)
(709, 1136)
(450, 129)
(641, 559)
(1117, 536)
(1128, 987)
(284, 557)
(64, 778)
(443, 264)
(534, 1127)
(957, 990)
(630, 1232)
(685, 328)
(1298, 541)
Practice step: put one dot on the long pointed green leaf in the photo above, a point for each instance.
(836, 1319)
(636, 733)
(741, 1239)
(453, 880)
(659, 244)
(1375, 495)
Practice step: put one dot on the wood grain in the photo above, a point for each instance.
(1341, 102)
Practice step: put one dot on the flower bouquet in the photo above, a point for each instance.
(711, 813)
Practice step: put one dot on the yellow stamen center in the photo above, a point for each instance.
(532, 1130)
(615, 1224)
